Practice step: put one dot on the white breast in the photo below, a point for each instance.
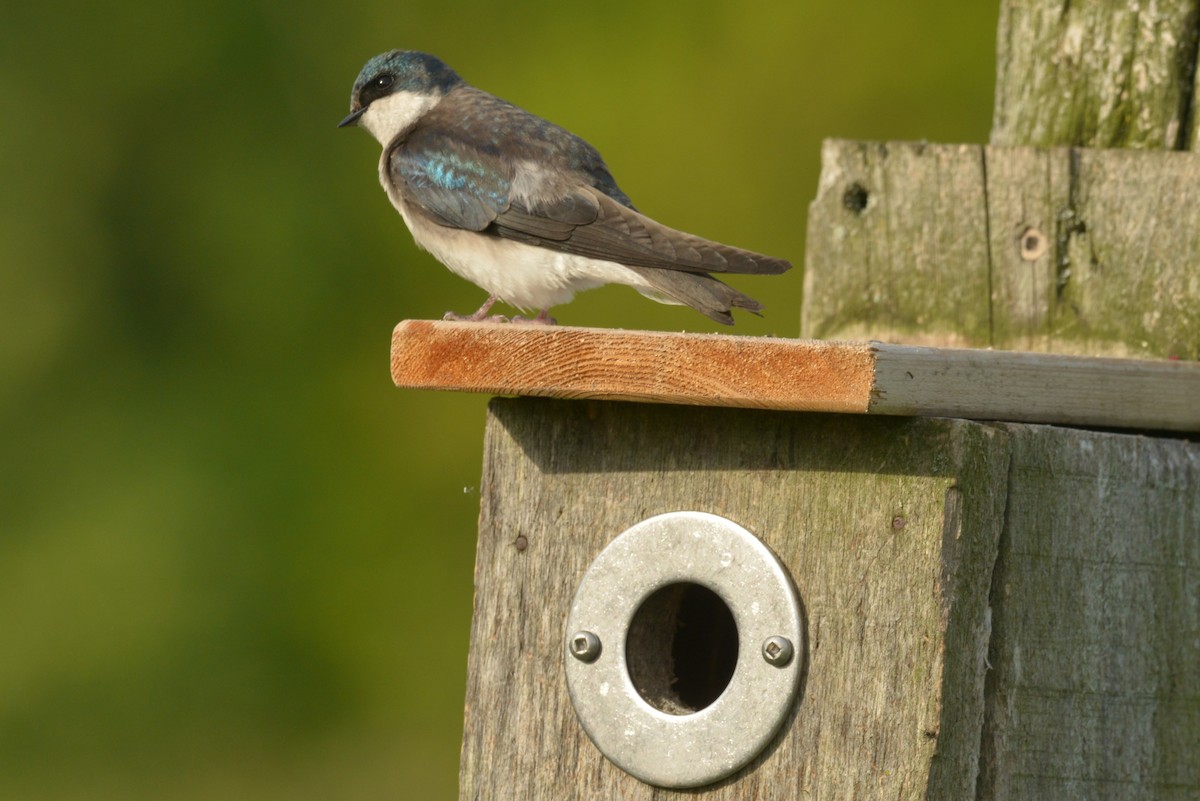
(527, 277)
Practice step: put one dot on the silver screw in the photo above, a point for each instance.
(778, 651)
(584, 646)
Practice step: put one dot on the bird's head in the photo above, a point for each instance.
(394, 89)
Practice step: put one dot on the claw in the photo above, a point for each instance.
(543, 318)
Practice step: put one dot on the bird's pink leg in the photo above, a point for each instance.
(480, 316)
(543, 318)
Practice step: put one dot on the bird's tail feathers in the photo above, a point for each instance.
(700, 291)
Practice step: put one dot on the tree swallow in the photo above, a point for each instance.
(521, 207)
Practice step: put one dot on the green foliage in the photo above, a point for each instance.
(234, 560)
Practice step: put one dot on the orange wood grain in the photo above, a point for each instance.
(694, 369)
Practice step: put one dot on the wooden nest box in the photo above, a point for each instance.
(961, 564)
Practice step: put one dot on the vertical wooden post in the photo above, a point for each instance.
(1086, 701)
(1096, 74)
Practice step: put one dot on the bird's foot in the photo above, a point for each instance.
(475, 318)
(543, 318)
(480, 316)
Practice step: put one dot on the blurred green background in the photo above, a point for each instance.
(234, 560)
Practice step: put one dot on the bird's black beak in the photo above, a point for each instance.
(352, 119)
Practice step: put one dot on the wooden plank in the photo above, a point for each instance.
(1037, 388)
(1094, 690)
(796, 375)
(897, 245)
(1099, 74)
(887, 525)
(1132, 252)
(1068, 251)
(1027, 201)
(695, 369)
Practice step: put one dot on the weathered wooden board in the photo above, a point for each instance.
(1068, 251)
(897, 236)
(1028, 199)
(1095, 74)
(796, 375)
(888, 526)
(1094, 690)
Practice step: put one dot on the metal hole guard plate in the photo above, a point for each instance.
(708, 745)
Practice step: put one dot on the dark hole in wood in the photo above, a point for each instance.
(856, 197)
(682, 648)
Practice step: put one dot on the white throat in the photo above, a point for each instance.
(390, 115)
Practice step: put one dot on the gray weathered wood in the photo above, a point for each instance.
(1095, 684)
(1033, 387)
(1070, 251)
(1095, 74)
(896, 245)
(1029, 218)
(889, 527)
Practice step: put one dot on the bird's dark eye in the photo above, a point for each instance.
(376, 88)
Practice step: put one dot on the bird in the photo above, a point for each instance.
(521, 207)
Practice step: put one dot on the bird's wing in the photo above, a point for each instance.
(589, 223)
(455, 184)
(449, 167)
